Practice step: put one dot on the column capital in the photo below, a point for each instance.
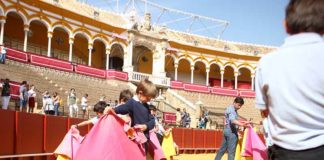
(108, 50)
(207, 69)
(90, 45)
(252, 75)
(2, 20)
(26, 27)
(236, 74)
(176, 65)
(192, 67)
(71, 40)
(222, 71)
(49, 34)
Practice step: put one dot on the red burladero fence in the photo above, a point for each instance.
(26, 133)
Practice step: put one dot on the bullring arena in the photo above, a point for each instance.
(57, 45)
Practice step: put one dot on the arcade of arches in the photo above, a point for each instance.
(60, 43)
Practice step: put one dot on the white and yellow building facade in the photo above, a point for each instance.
(81, 34)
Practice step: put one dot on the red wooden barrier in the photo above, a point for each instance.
(7, 133)
(210, 138)
(90, 71)
(188, 138)
(54, 131)
(17, 55)
(51, 63)
(196, 88)
(223, 91)
(177, 84)
(199, 138)
(117, 75)
(29, 133)
(178, 137)
(219, 137)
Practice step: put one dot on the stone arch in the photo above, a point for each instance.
(231, 64)
(121, 44)
(84, 33)
(64, 27)
(101, 38)
(247, 66)
(188, 58)
(204, 61)
(20, 13)
(42, 20)
(175, 60)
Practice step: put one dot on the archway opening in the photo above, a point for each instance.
(184, 71)
(37, 38)
(143, 60)
(229, 79)
(169, 67)
(244, 79)
(80, 49)
(214, 76)
(14, 31)
(199, 73)
(99, 54)
(116, 57)
(60, 44)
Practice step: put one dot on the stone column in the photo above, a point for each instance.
(207, 76)
(26, 30)
(252, 81)
(49, 45)
(128, 57)
(2, 30)
(107, 57)
(222, 78)
(71, 40)
(236, 75)
(90, 46)
(176, 71)
(192, 67)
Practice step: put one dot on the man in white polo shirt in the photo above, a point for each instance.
(290, 85)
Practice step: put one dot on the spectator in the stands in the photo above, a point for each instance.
(185, 118)
(49, 106)
(5, 93)
(31, 99)
(23, 96)
(72, 103)
(84, 105)
(56, 100)
(178, 117)
(3, 53)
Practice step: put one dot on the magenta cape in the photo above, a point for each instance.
(254, 147)
(107, 140)
(155, 148)
(70, 144)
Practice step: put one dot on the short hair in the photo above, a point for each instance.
(147, 87)
(178, 109)
(152, 107)
(125, 95)
(305, 16)
(23, 82)
(239, 100)
(100, 107)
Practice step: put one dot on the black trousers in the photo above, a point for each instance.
(278, 153)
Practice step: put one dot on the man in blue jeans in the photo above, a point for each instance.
(230, 136)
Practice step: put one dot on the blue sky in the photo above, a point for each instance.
(251, 21)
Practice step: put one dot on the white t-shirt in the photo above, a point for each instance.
(290, 83)
(84, 101)
(31, 93)
(94, 120)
